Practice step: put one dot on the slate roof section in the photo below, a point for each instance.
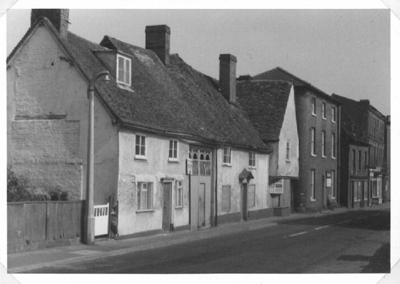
(174, 99)
(281, 74)
(265, 103)
(354, 119)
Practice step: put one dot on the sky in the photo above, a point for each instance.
(346, 52)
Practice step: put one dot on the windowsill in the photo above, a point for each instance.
(145, 211)
(334, 158)
(288, 161)
(324, 118)
(313, 155)
(226, 165)
(125, 87)
(173, 160)
(179, 207)
(323, 156)
(312, 199)
(313, 114)
(143, 158)
(333, 121)
(253, 167)
(334, 197)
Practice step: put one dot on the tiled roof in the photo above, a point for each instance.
(265, 103)
(281, 74)
(354, 119)
(174, 99)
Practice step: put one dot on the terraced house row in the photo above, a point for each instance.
(176, 149)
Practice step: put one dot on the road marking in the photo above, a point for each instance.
(319, 228)
(301, 233)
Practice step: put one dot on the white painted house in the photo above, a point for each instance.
(162, 129)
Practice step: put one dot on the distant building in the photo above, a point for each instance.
(372, 126)
(318, 123)
(386, 163)
(270, 105)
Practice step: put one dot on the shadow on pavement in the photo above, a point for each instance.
(351, 219)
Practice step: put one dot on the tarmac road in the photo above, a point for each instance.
(349, 242)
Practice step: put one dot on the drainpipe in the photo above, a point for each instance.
(216, 187)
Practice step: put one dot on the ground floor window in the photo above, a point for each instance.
(179, 194)
(312, 185)
(365, 190)
(145, 195)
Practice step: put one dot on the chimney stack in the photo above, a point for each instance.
(227, 76)
(157, 40)
(58, 17)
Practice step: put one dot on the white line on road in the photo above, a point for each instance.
(319, 228)
(301, 233)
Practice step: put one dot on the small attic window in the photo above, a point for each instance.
(123, 70)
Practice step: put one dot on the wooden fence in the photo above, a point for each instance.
(37, 225)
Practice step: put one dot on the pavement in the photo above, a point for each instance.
(25, 261)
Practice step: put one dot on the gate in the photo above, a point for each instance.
(101, 217)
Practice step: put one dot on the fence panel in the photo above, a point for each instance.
(16, 224)
(35, 221)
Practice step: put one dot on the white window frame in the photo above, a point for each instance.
(179, 194)
(314, 106)
(140, 155)
(324, 110)
(288, 150)
(252, 157)
(334, 113)
(174, 150)
(312, 185)
(323, 144)
(333, 146)
(127, 70)
(313, 142)
(145, 191)
(227, 156)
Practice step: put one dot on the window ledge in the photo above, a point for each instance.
(137, 157)
(178, 207)
(313, 155)
(125, 87)
(312, 199)
(324, 118)
(334, 158)
(288, 161)
(226, 165)
(313, 114)
(253, 167)
(323, 156)
(145, 211)
(173, 160)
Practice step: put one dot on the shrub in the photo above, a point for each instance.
(19, 190)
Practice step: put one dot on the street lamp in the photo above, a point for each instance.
(90, 160)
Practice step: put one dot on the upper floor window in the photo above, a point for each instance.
(252, 159)
(313, 141)
(359, 159)
(334, 114)
(323, 144)
(227, 156)
(313, 106)
(323, 110)
(123, 70)
(288, 150)
(333, 150)
(173, 150)
(354, 159)
(140, 147)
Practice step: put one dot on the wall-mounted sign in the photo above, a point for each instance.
(328, 182)
(276, 188)
(189, 166)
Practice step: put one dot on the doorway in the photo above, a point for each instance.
(244, 202)
(167, 206)
(202, 205)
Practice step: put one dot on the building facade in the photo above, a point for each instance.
(318, 122)
(161, 129)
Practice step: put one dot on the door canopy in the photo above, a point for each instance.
(245, 176)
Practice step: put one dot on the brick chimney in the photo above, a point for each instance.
(157, 40)
(58, 17)
(227, 76)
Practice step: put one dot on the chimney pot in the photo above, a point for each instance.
(158, 40)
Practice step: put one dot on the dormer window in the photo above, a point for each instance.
(123, 70)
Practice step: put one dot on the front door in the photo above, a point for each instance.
(167, 206)
(202, 205)
(244, 202)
